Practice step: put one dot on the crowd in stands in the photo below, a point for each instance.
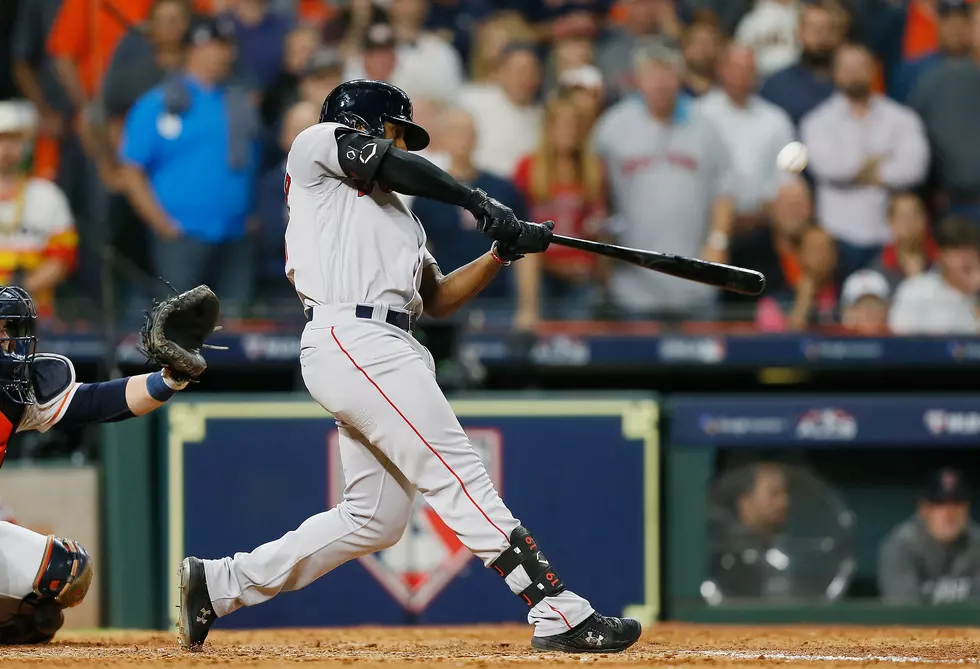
(159, 129)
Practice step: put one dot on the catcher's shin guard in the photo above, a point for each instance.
(524, 555)
(62, 581)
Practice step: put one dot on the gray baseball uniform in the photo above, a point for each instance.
(398, 434)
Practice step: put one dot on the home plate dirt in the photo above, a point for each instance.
(665, 645)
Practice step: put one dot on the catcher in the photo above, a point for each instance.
(40, 576)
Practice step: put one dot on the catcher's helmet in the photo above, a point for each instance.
(18, 318)
(366, 105)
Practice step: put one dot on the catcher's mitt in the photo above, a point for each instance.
(176, 330)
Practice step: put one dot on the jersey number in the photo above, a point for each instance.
(286, 184)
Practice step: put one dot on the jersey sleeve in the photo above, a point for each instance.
(427, 257)
(54, 387)
(315, 153)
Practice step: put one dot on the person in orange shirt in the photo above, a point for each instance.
(562, 181)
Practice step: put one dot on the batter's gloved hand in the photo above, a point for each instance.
(534, 238)
(176, 330)
(493, 219)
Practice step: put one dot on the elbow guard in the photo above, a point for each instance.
(360, 156)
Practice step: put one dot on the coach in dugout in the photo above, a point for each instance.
(934, 556)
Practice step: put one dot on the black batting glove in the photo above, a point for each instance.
(493, 219)
(533, 238)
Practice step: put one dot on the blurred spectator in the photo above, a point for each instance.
(861, 146)
(271, 206)
(729, 12)
(702, 43)
(754, 131)
(562, 181)
(567, 54)
(555, 19)
(37, 233)
(948, 100)
(507, 116)
(912, 250)
(672, 186)
(378, 55)
(191, 159)
(300, 45)
(934, 556)
(260, 34)
(83, 39)
(584, 87)
(864, 303)
(642, 19)
(815, 302)
(145, 55)
(770, 30)
(36, 77)
(492, 38)
(944, 300)
(801, 87)
(426, 65)
(428, 114)
(452, 234)
(954, 42)
(774, 249)
(322, 74)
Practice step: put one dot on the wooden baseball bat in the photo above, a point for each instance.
(727, 277)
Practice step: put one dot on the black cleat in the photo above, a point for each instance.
(596, 634)
(196, 614)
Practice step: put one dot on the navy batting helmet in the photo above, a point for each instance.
(18, 318)
(366, 105)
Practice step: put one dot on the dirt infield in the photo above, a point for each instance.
(506, 646)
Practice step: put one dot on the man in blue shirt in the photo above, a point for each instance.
(190, 154)
(452, 232)
(801, 87)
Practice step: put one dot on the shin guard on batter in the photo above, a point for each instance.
(527, 572)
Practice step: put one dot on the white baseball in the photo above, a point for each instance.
(792, 158)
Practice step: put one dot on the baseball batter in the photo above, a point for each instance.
(357, 258)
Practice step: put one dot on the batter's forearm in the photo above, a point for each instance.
(452, 291)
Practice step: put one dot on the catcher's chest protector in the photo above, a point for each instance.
(54, 379)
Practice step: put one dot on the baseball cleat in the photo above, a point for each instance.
(195, 614)
(596, 634)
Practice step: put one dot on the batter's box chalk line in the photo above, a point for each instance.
(802, 657)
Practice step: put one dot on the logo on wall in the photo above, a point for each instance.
(741, 425)
(429, 555)
(939, 421)
(827, 425)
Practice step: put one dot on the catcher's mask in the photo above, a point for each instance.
(18, 318)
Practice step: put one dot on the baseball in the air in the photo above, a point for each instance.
(792, 157)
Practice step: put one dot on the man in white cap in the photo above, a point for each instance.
(37, 231)
(864, 300)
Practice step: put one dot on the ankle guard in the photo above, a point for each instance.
(65, 573)
(523, 553)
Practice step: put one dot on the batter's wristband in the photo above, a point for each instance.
(493, 254)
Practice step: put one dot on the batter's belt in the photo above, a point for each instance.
(400, 319)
